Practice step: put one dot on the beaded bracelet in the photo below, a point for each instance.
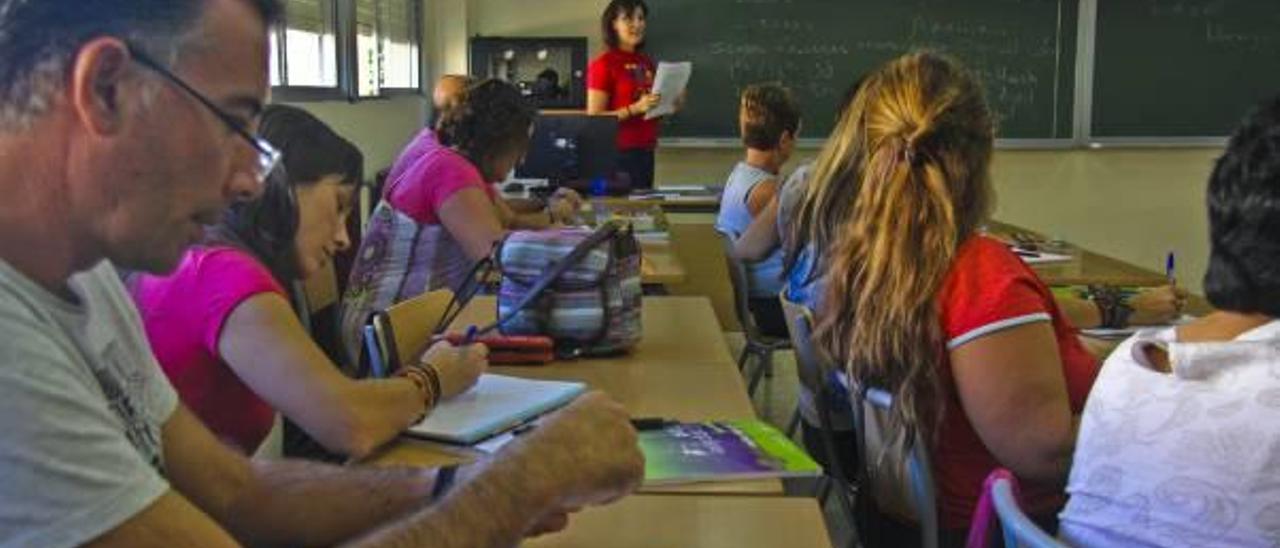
(1113, 305)
(433, 376)
(426, 388)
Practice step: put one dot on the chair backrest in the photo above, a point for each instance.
(1018, 529)
(402, 331)
(810, 366)
(741, 287)
(814, 370)
(899, 480)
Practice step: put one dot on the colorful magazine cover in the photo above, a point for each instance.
(721, 451)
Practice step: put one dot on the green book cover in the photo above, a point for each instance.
(721, 451)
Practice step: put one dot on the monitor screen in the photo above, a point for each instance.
(569, 147)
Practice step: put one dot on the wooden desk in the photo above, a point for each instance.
(659, 263)
(695, 522)
(682, 369)
(1085, 267)
(682, 204)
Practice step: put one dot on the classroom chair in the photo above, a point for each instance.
(399, 334)
(813, 372)
(1000, 492)
(758, 345)
(895, 481)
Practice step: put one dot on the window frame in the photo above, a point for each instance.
(347, 62)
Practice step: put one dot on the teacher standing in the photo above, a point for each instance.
(620, 83)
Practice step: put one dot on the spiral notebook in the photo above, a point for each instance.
(496, 403)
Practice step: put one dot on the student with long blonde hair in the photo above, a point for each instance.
(968, 340)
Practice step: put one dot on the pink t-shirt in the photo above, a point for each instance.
(426, 174)
(183, 315)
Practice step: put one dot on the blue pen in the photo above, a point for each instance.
(1168, 269)
(470, 337)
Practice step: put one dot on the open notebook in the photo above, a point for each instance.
(495, 404)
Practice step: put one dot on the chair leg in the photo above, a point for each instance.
(823, 492)
(793, 425)
(767, 363)
(742, 357)
(756, 375)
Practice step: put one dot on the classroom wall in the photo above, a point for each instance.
(380, 128)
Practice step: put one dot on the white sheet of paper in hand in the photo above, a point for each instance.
(669, 83)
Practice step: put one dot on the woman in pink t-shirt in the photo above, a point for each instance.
(439, 213)
(225, 334)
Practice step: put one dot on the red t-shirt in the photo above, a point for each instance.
(988, 289)
(183, 314)
(427, 174)
(626, 77)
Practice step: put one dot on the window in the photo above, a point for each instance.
(341, 49)
(387, 57)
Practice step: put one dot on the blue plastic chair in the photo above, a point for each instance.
(1000, 490)
(896, 477)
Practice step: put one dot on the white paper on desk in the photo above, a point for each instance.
(1042, 257)
(669, 83)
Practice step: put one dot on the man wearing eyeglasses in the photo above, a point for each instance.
(125, 127)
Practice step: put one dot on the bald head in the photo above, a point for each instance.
(449, 91)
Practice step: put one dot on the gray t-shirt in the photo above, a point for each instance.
(82, 405)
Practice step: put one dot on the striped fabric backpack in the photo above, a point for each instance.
(581, 287)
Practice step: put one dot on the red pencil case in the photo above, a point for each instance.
(513, 349)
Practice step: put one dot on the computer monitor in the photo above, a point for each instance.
(572, 149)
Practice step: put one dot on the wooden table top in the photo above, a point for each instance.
(1085, 267)
(681, 369)
(695, 522)
(681, 204)
(659, 263)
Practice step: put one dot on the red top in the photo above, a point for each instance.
(183, 314)
(626, 77)
(427, 174)
(988, 289)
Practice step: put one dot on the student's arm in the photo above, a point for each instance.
(761, 195)
(518, 220)
(761, 237)
(473, 220)
(1151, 306)
(268, 349)
(561, 208)
(1013, 391)
(270, 502)
(170, 521)
(1080, 313)
(583, 455)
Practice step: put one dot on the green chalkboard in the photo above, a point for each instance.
(1182, 68)
(1023, 51)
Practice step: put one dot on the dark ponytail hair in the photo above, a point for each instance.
(267, 226)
